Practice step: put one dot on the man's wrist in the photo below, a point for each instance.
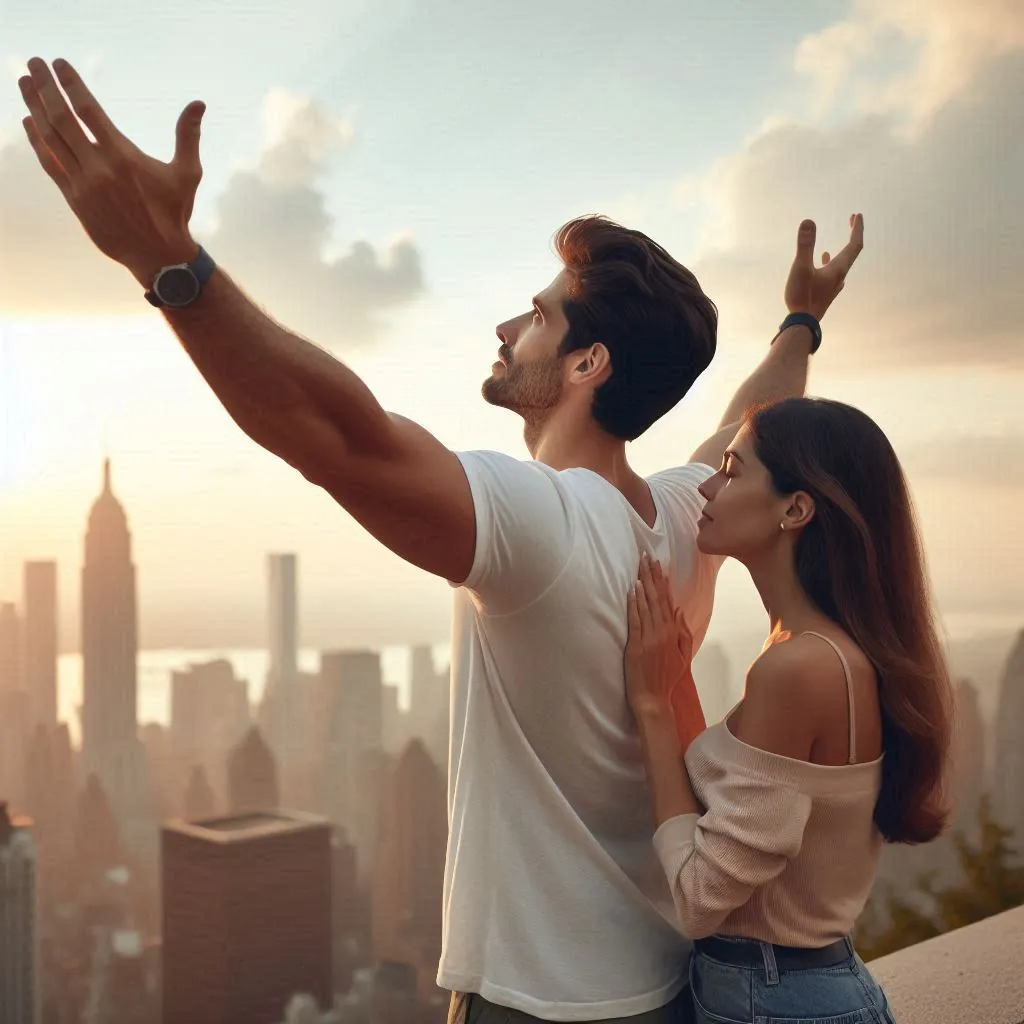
(801, 324)
(171, 252)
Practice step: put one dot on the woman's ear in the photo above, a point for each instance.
(800, 511)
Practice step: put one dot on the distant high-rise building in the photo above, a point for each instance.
(11, 676)
(354, 757)
(283, 617)
(110, 741)
(14, 737)
(353, 682)
(408, 871)
(39, 642)
(246, 917)
(19, 999)
(428, 702)
(350, 925)
(50, 800)
(969, 756)
(252, 775)
(283, 711)
(200, 802)
(1009, 745)
(97, 841)
(394, 724)
(209, 715)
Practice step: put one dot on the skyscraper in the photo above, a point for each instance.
(19, 1002)
(408, 871)
(110, 744)
(252, 775)
(968, 757)
(1009, 744)
(282, 617)
(39, 650)
(354, 757)
(353, 684)
(246, 917)
(209, 714)
(284, 710)
(428, 702)
(10, 649)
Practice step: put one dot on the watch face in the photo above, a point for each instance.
(177, 286)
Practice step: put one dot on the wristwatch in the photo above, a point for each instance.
(803, 320)
(182, 283)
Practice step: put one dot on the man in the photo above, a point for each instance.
(555, 906)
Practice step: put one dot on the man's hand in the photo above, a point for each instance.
(135, 209)
(811, 289)
(783, 371)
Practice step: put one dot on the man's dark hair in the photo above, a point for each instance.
(647, 309)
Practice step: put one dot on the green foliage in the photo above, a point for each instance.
(993, 881)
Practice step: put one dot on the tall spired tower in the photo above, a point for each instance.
(110, 742)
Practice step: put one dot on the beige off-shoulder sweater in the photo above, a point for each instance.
(786, 851)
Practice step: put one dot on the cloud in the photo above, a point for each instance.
(951, 41)
(939, 279)
(273, 234)
(993, 461)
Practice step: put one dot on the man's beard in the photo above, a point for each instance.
(530, 389)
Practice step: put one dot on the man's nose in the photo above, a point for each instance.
(507, 332)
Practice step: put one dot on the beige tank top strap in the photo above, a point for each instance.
(849, 690)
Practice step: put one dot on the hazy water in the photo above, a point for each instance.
(250, 664)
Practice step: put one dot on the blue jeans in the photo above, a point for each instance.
(844, 993)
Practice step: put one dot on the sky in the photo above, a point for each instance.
(386, 178)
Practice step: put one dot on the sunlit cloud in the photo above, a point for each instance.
(938, 282)
(949, 43)
(273, 233)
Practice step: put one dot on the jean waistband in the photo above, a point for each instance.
(740, 952)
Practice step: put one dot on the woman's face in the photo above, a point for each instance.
(742, 514)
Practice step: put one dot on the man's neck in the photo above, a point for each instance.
(563, 443)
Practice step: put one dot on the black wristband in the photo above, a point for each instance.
(803, 320)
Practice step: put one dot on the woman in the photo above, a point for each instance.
(770, 836)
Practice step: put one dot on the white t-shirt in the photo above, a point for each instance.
(555, 902)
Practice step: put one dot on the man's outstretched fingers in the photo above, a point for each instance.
(845, 258)
(43, 129)
(47, 160)
(805, 238)
(63, 123)
(85, 105)
(186, 139)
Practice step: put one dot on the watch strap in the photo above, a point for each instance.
(803, 320)
(202, 267)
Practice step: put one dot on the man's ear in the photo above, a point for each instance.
(590, 365)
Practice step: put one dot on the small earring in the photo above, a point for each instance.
(782, 526)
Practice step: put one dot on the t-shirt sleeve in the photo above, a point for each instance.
(524, 530)
(752, 828)
(683, 503)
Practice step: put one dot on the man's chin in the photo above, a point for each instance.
(494, 393)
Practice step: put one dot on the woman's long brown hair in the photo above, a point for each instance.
(860, 561)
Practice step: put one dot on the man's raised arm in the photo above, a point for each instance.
(299, 402)
(288, 395)
(783, 371)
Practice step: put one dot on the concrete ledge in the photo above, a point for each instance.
(974, 975)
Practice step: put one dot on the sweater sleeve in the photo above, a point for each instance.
(752, 828)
